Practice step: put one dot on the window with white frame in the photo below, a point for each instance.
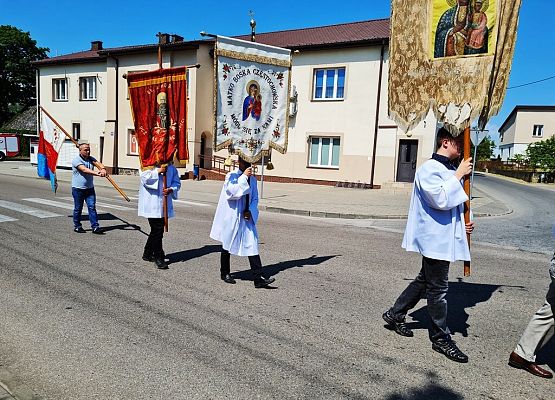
(59, 89)
(132, 144)
(329, 84)
(324, 152)
(87, 88)
(538, 131)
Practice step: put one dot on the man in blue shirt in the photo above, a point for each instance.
(82, 188)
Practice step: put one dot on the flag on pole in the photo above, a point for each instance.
(451, 56)
(50, 143)
(252, 113)
(159, 107)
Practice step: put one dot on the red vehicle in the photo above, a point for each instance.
(9, 145)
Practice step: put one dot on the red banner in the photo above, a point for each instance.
(159, 108)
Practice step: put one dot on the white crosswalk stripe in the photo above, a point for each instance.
(22, 208)
(191, 203)
(103, 205)
(5, 218)
(52, 203)
(184, 202)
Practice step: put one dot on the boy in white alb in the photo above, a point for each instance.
(235, 223)
(435, 229)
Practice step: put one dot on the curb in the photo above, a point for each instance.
(290, 211)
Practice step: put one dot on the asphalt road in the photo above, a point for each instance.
(83, 317)
(528, 227)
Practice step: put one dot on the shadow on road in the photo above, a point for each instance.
(274, 269)
(432, 390)
(190, 254)
(461, 295)
(111, 217)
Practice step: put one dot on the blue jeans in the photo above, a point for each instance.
(88, 196)
(431, 283)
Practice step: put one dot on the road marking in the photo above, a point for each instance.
(5, 218)
(22, 208)
(50, 203)
(191, 203)
(104, 205)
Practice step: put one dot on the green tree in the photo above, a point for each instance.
(17, 75)
(485, 149)
(542, 154)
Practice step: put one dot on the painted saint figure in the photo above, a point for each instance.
(162, 110)
(462, 29)
(252, 105)
(477, 29)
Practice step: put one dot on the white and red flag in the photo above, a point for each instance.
(51, 139)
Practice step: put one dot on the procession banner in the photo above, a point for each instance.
(51, 139)
(159, 107)
(451, 56)
(252, 98)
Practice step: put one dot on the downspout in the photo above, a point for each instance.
(37, 101)
(377, 116)
(116, 126)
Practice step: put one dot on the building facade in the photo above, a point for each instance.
(523, 126)
(339, 130)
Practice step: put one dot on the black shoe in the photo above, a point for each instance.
(448, 348)
(160, 263)
(263, 282)
(149, 258)
(400, 327)
(79, 230)
(97, 231)
(228, 279)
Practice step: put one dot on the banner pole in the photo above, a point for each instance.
(466, 152)
(165, 201)
(262, 180)
(96, 163)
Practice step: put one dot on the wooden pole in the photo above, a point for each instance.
(159, 50)
(96, 163)
(165, 178)
(466, 152)
(165, 201)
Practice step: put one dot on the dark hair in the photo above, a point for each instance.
(443, 134)
(248, 164)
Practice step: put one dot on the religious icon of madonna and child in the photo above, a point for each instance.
(463, 28)
(252, 105)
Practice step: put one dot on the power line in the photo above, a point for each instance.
(531, 83)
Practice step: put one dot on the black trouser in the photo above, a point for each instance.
(153, 244)
(432, 283)
(254, 261)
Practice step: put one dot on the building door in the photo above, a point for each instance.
(202, 150)
(406, 162)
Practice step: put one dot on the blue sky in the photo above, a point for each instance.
(69, 26)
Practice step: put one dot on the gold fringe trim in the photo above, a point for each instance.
(157, 81)
(253, 58)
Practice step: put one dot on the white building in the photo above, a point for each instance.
(525, 125)
(340, 131)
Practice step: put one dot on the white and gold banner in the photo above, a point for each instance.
(252, 97)
(451, 56)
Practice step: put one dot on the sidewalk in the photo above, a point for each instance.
(286, 198)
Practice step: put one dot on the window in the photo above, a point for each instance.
(87, 88)
(324, 152)
(76, 130)
(132, 145)
(59, 89)
(329, 84)
(538, 131)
